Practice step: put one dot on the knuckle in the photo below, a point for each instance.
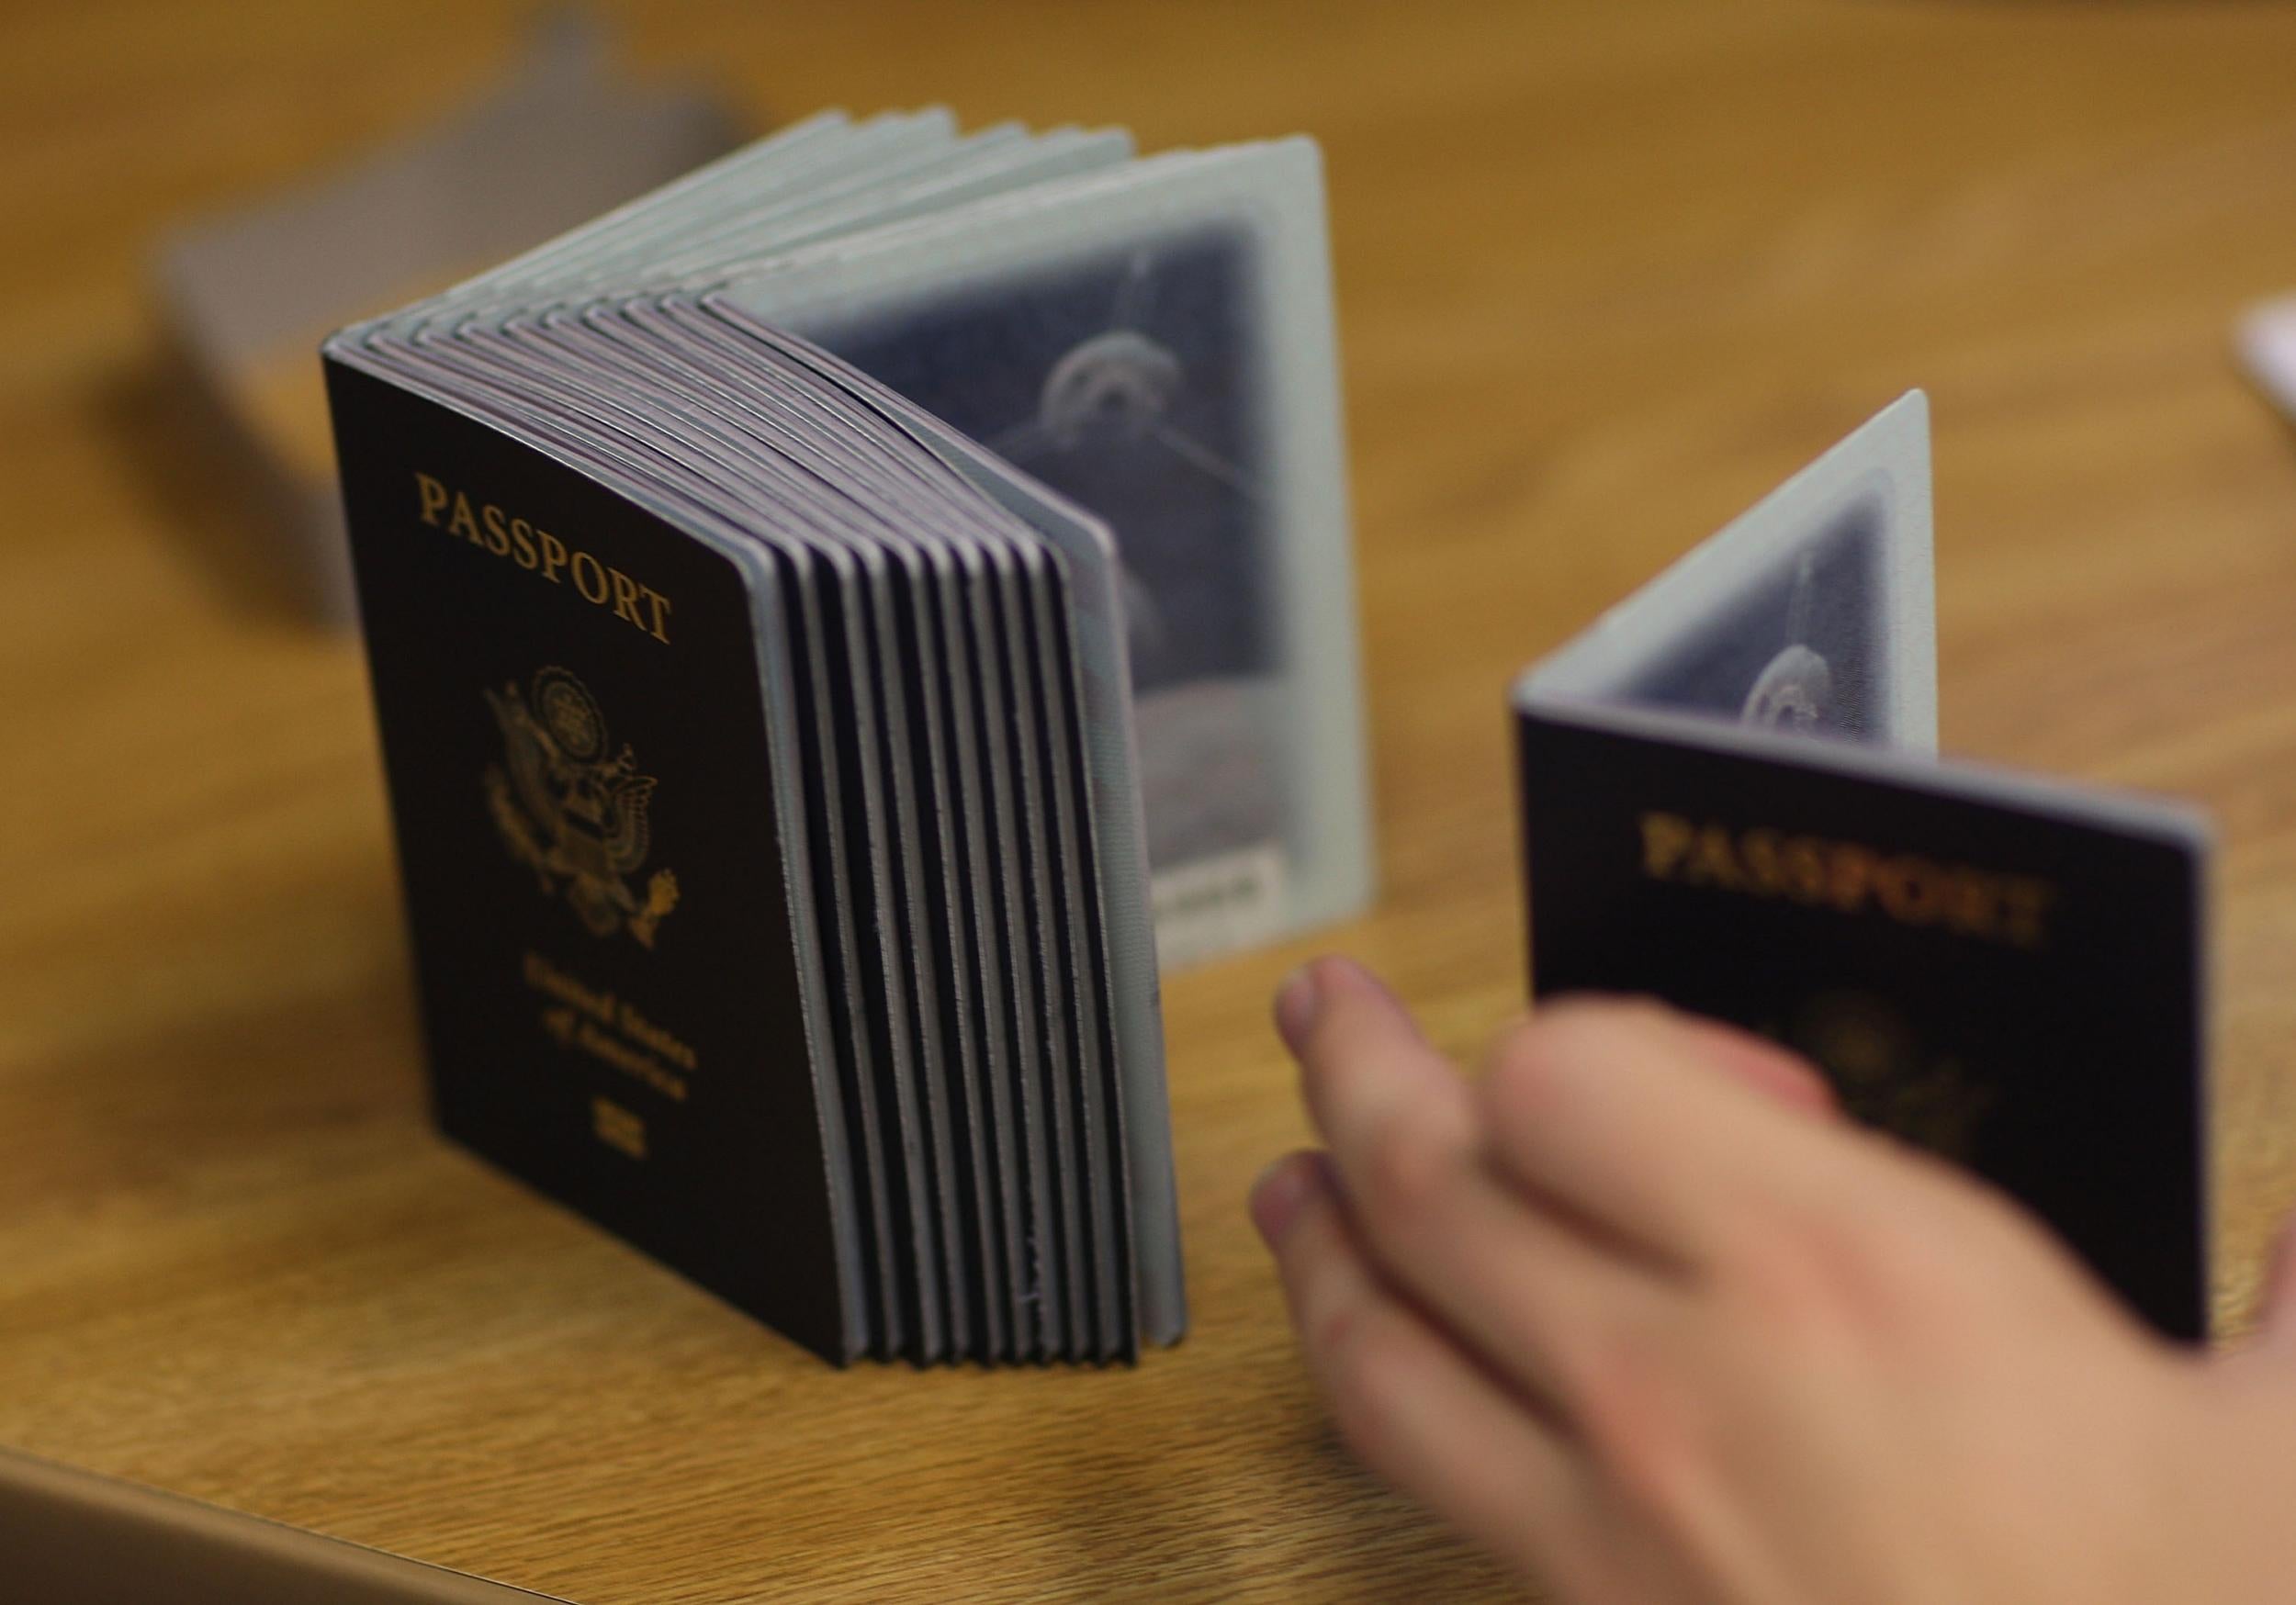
(1604, 1017)
(1517, 1038)
(1408, 1168)
(1610, 1395)
(1332, 1333)
(1912, 1275)
(1573, 1365)
(1788, 1282)
(1875, 1265)
(1363, 1426)
(1521, 1065)
(1632, 1412)
(1538, 1051)
(1351, 1358)
(1361, 1375)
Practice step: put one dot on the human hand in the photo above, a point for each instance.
(1638, 1315)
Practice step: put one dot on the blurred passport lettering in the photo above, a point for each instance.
(1850, 876)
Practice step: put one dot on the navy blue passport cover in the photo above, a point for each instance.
(569, 700)
(2007, 974)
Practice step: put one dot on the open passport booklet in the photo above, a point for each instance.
(1732, 800)
(778, 775)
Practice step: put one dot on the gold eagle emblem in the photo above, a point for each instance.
(572, 808)
(1886, 1077)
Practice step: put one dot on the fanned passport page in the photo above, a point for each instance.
(1732, 800)
(779, 774)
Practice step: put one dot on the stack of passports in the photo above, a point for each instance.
(761, 755)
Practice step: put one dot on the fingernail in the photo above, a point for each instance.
(1278, 1194)
(1296, 1003)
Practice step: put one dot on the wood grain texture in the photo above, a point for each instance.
(1607, 270)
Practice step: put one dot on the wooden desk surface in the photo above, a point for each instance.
(1608, 272)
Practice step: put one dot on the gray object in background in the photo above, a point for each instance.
(246, 298)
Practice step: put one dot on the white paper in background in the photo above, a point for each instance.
(2265, 339)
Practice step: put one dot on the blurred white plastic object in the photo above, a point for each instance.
(246, 296)
(2265, 340)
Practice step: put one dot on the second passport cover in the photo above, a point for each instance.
(1731, 803)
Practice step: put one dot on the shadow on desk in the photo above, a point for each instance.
(72, 1538)
(245, 531)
